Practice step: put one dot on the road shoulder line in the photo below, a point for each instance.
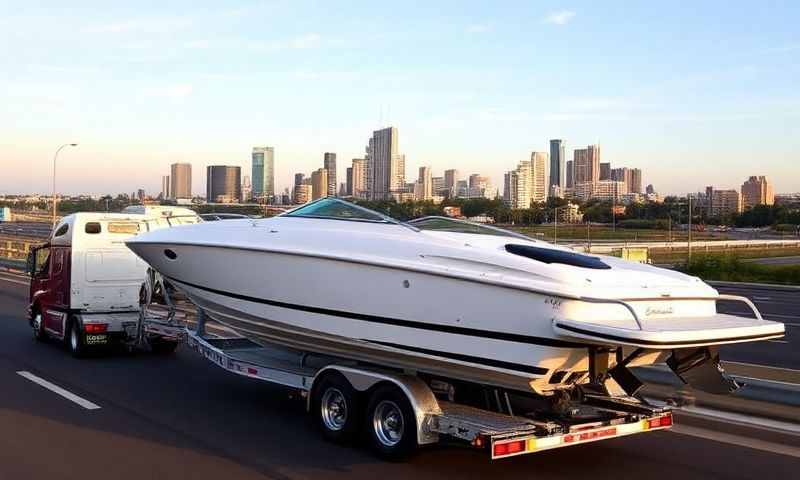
(59, 391)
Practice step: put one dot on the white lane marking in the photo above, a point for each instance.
(60, 391)
(777, 341)
(11, 280)
(736, 440)
(767, 316)
(761, 299)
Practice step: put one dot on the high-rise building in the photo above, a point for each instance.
(479, 186)
(539, 173)
(451, 182)
(518, 186)
(348, 186)
(557, 164)
(319, 184)
(587, 164)
(302, 193)
(223, 184)
(165, 187)
(722, 202)
(424, 188)
(181, 180)
(438, 186)
(610, 190)
(140, 195)
(636, 181)
(570, 174)
(247, 189)
(329, 163)
(359, 178)
(757, 190)
(263, 170)
(650, 189)
(386, 168)
(299, 178)
(632, 177)
(605, 171)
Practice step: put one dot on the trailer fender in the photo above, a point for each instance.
(426, 407)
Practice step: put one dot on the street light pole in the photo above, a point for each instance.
(689, 237)
(55, 157)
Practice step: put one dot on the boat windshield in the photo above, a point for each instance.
(448, 224)
(337, 209)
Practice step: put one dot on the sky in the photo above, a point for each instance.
(693, 93)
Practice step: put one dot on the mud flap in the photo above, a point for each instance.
(700, 368)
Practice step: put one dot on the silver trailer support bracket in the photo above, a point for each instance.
(426, 407)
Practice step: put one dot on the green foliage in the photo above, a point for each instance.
(728, 267)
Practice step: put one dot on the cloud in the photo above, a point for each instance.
(301, 42)
(561, 17)
(479, 28)
(173, 92)
(141, 25)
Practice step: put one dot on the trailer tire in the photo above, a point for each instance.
(391, 426)
(74, 340)
(337, 409)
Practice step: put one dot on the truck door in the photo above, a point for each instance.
(48, 267)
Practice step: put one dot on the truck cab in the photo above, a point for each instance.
(85, 282)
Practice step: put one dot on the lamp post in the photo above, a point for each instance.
(55, 157)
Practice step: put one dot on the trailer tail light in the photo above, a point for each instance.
(509, 448)
(95, 327)
(660, 422)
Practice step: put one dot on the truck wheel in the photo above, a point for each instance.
(391, 425)
(162, 347)
(74, 340)
(38, 328)
(336, 408)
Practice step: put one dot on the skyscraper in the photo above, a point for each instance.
(587, 164)
(479, 186)
(757, 190)
(299, 178)
(302, 193)
(348, 186)
(359, 178)
(451, 182)
(223, 184)
(605, 171)
(181, 180)
(557, 159)
(570, 174)
(319, 184)
(329, 163)
(386, 168)
(636, 181)
(424, 188)
(165, 187)
(247, 189)
(539, 176)
(722, 202)
(518, 186)
(263, 170)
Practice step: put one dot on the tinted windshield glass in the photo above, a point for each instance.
(338, 209)
(459, 226)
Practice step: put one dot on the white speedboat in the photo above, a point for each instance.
(448, 298)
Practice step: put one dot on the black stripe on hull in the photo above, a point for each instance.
(487, 334)
(468, 358)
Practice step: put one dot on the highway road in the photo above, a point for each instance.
(25, 229)
(794, 260)
(143, 416)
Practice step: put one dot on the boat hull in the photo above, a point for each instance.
(404, 319)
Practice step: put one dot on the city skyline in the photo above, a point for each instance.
(143, 94)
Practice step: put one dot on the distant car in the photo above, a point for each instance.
(213, 217)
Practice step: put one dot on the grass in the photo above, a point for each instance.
(602, 232)
(680, 253)
(731, 268)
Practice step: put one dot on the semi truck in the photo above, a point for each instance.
(85, 282)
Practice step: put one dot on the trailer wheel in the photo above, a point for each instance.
(38, 327)
(391, 425)
(74, 340)
(337, 409)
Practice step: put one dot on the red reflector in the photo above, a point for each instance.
(655, 422)
(251, 370)
(95, 327)
(500, 449)
(515, 447)
(666, 421)
(568, 438)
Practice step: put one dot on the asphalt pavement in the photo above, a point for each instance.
(794, 260)
(179, 416)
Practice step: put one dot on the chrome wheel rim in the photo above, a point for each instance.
(387, 421)
(334, 409)
(37, 324)
(73, 338)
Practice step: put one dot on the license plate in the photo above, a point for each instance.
(96, 339)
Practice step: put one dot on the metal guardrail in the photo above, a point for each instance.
(12, 264)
